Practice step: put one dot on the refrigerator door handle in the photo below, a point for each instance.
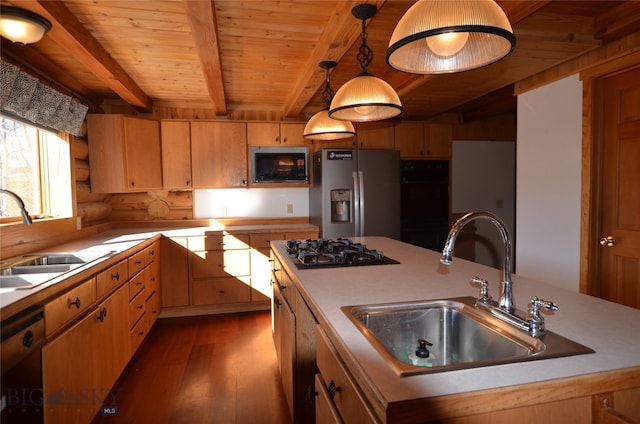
(356, 202)
(358, 184)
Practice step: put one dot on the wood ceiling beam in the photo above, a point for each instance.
(341, 31)
(68, 32)
(618, 21)
(202, 18)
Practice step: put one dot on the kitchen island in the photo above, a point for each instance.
(576, 388)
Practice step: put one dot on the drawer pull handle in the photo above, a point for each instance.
(138, 283)
(333, 389)
(138, 262)
(102, 315)
(140, 306)
(116, 276)
(75, 303)
(277, 302)
(153, 252)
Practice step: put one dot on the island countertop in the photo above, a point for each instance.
(610, 329)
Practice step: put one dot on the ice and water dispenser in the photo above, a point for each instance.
(340, 205)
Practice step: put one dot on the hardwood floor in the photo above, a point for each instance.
(206, 369)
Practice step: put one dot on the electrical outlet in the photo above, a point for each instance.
(78, 223)
(223, 210)
(289, 207)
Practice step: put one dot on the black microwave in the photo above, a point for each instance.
(279, 164)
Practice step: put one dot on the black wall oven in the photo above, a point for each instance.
(425, 200)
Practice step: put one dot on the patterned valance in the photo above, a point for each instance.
(26, 97)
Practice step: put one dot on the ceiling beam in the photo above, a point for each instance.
(341, 31)
(618, 21)
(68, 32)
(202, 19)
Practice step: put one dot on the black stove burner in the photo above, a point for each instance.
(314, 253)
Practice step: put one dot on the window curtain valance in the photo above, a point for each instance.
(24, 96)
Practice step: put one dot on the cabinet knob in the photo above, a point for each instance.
(75, 303)
(333, 389)
(607, 241)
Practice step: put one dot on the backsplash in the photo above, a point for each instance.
(251, 203)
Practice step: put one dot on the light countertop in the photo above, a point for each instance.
(610, 329)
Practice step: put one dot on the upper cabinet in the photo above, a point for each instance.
(423, 140)
(218, 154)
(125, 153)
(176, 154)
(276, 134)
(375, 135)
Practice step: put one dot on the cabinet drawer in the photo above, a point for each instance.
(221, 290)
(112, 278)
(216, 263)
(346, 398)
(138, 333)
(150, 253)
(261, 241)
(136, 309)
(138, 282)
(69, 305)
(325, 409)
(220, 242)
(136, 262)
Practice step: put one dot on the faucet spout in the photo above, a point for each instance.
(506, 293)
(26, 219)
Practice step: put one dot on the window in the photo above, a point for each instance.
(34, 164)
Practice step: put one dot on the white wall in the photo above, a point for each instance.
(251, 203)
(548, 183)
(483, 179)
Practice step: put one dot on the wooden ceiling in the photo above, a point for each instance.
(235, 56)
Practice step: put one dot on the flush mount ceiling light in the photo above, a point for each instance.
(22, 26)
(365, 97)
(321, 126)
(444, 36)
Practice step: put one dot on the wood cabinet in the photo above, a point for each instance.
(343, 395)
(81, 365)
(276, 134)
(220, 268)
(69, 306)
(294, 338)
(375, 135)
(176, 154)
(174, 270)
(423, 140)
(125, 153)
(218, 154)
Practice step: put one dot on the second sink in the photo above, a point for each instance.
(456, 334)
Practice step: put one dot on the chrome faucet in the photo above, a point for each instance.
(26, 219)
(506, 296)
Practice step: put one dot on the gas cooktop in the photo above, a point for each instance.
(340, 252)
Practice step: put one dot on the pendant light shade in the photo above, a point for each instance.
(321, 126)
(444, 36)
(22, 26)
(365, 97)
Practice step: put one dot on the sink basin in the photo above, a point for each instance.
(31, 270)
(456, 334)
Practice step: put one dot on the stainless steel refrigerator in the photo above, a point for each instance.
(356, 193)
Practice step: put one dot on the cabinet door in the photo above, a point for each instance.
(176, 154)
(375, 135)
(219, 263)
(218, 154)
(284, 337)
(143, 157)
(437, 141)
(292, 134)
(69, 367)
(409, 139)
(263, 133)
(174, 272)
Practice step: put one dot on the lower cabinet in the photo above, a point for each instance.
(81, 365)
(294, 338)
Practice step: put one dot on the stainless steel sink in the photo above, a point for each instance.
(32, 270)
(455, 333)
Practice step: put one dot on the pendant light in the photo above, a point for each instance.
(22, 26)
(321, 126)
(444, 36)
(365, 97)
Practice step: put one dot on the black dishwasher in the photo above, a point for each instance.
(424, 200)
(21, 386)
